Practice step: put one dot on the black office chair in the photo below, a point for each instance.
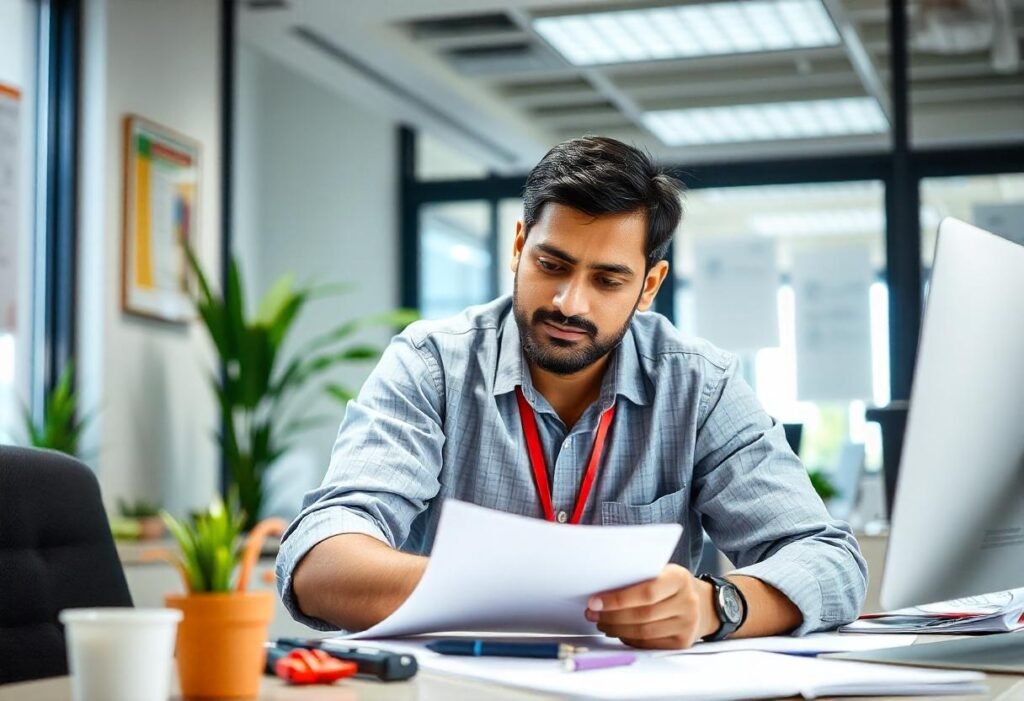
(794, 436)
(56, 552)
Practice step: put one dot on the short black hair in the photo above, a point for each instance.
(599, 175)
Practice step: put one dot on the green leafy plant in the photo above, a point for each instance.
(209, 547)
(257, 384)
(61, 425)
(822, 484)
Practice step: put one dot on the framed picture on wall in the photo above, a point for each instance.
(161, 187)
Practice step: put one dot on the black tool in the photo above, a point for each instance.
(371, 662)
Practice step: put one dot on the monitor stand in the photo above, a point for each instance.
(1000, 652)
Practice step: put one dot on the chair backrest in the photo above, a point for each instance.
(56, 552)
(794, 434)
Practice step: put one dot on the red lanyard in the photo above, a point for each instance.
(540, 470)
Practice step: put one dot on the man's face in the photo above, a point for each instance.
(578, 281)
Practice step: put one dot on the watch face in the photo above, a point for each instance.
(732, 609)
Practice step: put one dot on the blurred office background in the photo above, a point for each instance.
(384, 145)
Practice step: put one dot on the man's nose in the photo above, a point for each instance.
(571, 299)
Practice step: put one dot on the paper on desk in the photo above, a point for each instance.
(708, 677)
(493, 571)
(808, 645)
(997, 612)
(813, 644)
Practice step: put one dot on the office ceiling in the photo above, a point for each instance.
(482, 76)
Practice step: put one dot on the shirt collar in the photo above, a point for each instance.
(625, 376)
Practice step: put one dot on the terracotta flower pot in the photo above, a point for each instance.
(151, 528)
(220, 642)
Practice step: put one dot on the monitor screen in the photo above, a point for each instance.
(958, 517)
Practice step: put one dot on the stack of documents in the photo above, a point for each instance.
(711, 677)
(999, 612)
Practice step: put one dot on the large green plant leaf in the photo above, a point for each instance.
(254, 390)
(276, 299)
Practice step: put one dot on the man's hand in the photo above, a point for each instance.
(671, 611)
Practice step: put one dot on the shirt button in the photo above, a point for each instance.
(562, 517)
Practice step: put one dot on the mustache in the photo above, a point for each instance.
(576, 322)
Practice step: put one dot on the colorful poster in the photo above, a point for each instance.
(10, 158)
(832, 287)
(161, 186)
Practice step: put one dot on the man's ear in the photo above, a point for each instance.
(652, 283)
(517, 245)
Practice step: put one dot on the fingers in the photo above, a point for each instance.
(649, 630)
(661, 613)
(673, 642)
(643, 594)
(637, 614)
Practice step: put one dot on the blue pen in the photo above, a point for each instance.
(492, 648)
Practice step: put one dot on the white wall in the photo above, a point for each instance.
(153, 434)
(17, 56)
(316, 194)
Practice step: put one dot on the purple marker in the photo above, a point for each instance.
(581, 663)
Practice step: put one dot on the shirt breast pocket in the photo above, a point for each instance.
(666, 509)
(670, 508)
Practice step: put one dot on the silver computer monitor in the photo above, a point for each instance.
(958, 519)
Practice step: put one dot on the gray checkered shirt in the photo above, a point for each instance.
(690, 444)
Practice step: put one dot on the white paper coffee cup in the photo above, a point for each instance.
(120, 654)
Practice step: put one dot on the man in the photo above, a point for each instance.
(451, 408)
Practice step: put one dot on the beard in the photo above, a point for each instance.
(560, 356)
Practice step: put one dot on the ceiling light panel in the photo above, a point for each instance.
(711, 29)
(808, 119)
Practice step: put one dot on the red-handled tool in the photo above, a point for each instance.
(302, 666)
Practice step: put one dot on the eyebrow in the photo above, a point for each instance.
(614, 268)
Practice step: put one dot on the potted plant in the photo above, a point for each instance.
(256, 383)
(61, 427)
(145, 514)
(822, 484)
(220, 649)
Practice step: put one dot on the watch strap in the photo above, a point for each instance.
(725, 627)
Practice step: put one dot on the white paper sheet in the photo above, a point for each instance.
(808, 645)
(493, 571)
(815, 643)
(996, 612)
(736, 284)
(832, 287)
(708, 677)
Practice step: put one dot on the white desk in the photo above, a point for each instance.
(428, 686)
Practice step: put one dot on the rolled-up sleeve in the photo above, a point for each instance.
(760, 509)
(384, 465)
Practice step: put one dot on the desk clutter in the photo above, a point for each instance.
(998, 612)
(736, 673)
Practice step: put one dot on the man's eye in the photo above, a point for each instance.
(610, 283)
(547, 265)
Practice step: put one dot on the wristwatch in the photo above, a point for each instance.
(730, 605)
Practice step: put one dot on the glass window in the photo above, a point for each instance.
(456, 266)
(966, 82)
(993, 202)
(792, 280)
(18, 22)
